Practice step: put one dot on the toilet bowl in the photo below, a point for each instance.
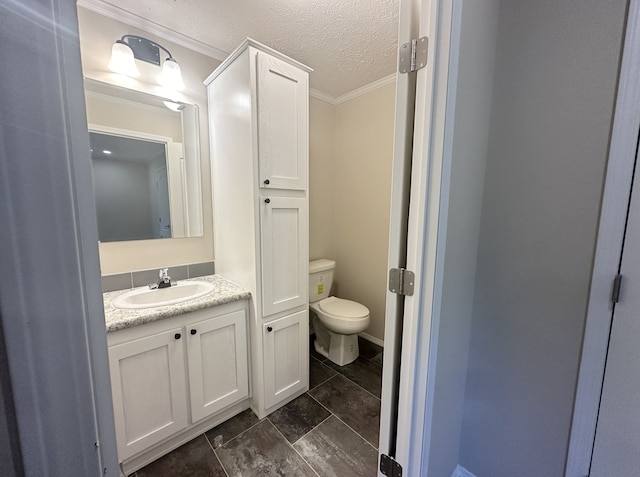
(336, 321)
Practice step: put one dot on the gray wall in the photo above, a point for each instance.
(50, 299)
(555, 77)
(469, 156)
(123, 200)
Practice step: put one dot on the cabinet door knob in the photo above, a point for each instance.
(266, 182)
(177, 336)
(193, 332)
(269, 329)
(267, 200)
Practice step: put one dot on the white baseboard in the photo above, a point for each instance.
(460, 471)
(373, 339)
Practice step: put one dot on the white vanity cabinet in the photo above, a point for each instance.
(218, 366)
(282, 103)
(286, 351)
(175, 378)
(285, 264)
(258, 101)
(148, 385)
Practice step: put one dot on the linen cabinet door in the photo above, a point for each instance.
(148, 384)
(286, 351)
(285, 258)
(283, 102)
(217, 355)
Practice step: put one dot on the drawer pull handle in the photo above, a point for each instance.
(269, 329)
(193, 332)
(177, 336)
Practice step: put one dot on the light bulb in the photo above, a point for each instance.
(171, 76)
(122, 60)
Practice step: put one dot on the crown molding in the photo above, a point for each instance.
(327, 98)
(368, 88)
(116, 13)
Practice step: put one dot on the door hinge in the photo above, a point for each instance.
(413, 55)
(388, 466)
(401, 281)
(615, 291)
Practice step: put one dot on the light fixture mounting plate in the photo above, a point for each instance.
(143, 49)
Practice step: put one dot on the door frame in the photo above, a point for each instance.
(422, 158)
(615, 201)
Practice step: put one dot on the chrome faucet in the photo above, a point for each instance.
(164, 280)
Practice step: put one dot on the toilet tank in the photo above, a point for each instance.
(320, 278)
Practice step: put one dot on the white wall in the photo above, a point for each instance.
(351, 150)
(97, 34)
(129, 116)
(322, 151)
(553, 92)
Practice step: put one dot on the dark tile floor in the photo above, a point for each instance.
(332, 430)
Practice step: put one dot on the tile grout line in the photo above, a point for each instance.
(314, 427)
(347, 377)
(328, 410)
(291, 446)
(246, 430)
(320, 384)
(216, 455)
(358, 434)
(333, 414)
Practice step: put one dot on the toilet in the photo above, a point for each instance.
(336, 321)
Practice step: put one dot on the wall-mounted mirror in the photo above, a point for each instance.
(146, 164)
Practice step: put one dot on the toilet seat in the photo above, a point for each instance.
(344, 309)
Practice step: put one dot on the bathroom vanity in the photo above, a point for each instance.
(176, 370)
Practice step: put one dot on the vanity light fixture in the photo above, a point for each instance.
(132, 47)
(177, 107)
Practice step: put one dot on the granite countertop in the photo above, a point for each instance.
(224, 291)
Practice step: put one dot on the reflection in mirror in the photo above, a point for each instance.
(148, 183)
(131, 187)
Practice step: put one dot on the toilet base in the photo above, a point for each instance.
(343, 349)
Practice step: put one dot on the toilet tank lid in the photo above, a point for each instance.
(321, 265)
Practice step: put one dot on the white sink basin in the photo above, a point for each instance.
(146, 298)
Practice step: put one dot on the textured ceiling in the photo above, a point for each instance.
(348, 43)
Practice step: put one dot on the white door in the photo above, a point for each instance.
(217, 355)
(286, 347)
(149, 390)
(283, 103)
(421, 100)
(616, 448)
(285, 257)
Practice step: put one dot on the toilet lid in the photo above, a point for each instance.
(344, 308)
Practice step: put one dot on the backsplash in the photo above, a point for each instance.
(122, 281)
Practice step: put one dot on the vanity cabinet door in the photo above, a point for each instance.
(217, 356)
(285, 256)
(283, 98)
(286, 351)
(149, 390)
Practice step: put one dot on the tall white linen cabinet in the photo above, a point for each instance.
(258, 102)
